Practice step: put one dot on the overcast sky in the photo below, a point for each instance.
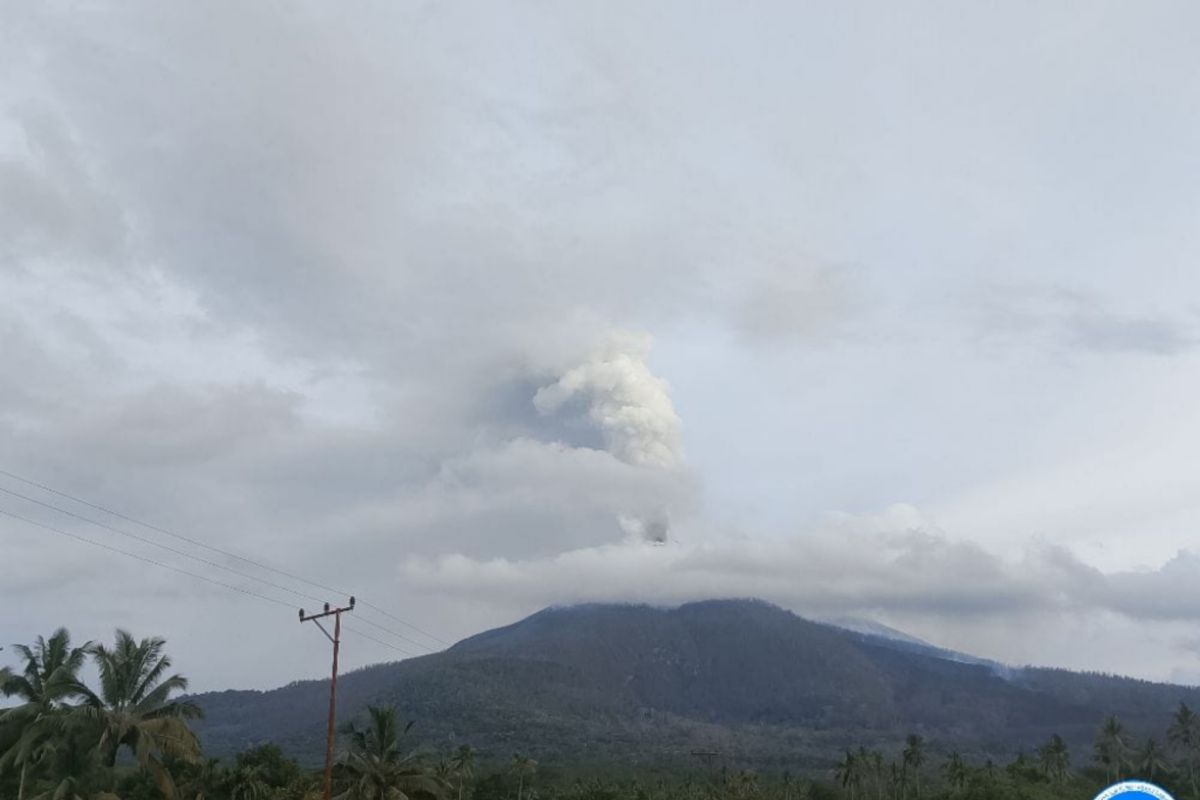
(866, 309)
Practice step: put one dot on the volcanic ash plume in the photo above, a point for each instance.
(628, 403)
(652, 528)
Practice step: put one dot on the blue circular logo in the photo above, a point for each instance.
(1134, 790)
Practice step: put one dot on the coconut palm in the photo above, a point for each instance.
(48, 680)
(463, 762)
(1152, 760)
(913, 757)
(896, 781)
(133, 708)
(522, 766)
(1111, 747)
(71, 761)
(1054, 759)
(848, 773)
(1184, 736)
(246, 783)
(377, 769)
(955, 770)
(1019, 766)
(874, 759)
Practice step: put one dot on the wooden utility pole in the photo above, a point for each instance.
(336, 638)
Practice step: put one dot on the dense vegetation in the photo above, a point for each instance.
(644, 687)
(130, 738)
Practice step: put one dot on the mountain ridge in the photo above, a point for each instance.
(644, 684)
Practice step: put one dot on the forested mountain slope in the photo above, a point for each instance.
(595, 683)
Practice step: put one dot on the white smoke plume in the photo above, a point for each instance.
(628, 404)
(652, 528)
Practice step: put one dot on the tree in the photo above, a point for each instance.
(464, 766)
(845, 773)
(1111, 748)
(377, 769)
(271, 765)
(70, 761)
(522, 766)
(1152, 760)
(1054, 759)
(134, 710)
(49, 678)
(955, 770)
(1021, 768)
(913, 757)
(1184, 735)
(246, 783)
(874, 759)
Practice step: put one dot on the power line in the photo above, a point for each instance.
(161, 546)
(171, 567)
(181, 571)
(213, 549)
(198, 559)
(205, 561)
(368, 636)
(402, 622)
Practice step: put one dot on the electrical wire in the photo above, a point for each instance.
(214, 549)
(189, 573)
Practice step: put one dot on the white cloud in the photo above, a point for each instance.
(892, 567)
(338, 288)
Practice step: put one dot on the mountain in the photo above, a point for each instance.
(900, 640)
(638, 685)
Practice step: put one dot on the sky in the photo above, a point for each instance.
(473, 308)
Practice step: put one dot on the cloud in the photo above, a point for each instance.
(343, 288)
(1079, 321)
(850, 565)
(50, 205)
(892, 566)
(797, 302)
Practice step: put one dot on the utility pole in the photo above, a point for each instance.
(336, 638)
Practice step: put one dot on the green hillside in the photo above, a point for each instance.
(648, 686)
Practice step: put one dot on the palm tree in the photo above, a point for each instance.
(875, 759)
(377, 768)
(956, 771)
(246, 782)
(848, 773)
(1111, 748)
(464, 766)
(49, 678)
(134, 710)
(1019, 766)
(1152, 760)
(1054, 759)
(72, 763)
(896, 781)
(913, 757)
(1184, 734)
(522, 766)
